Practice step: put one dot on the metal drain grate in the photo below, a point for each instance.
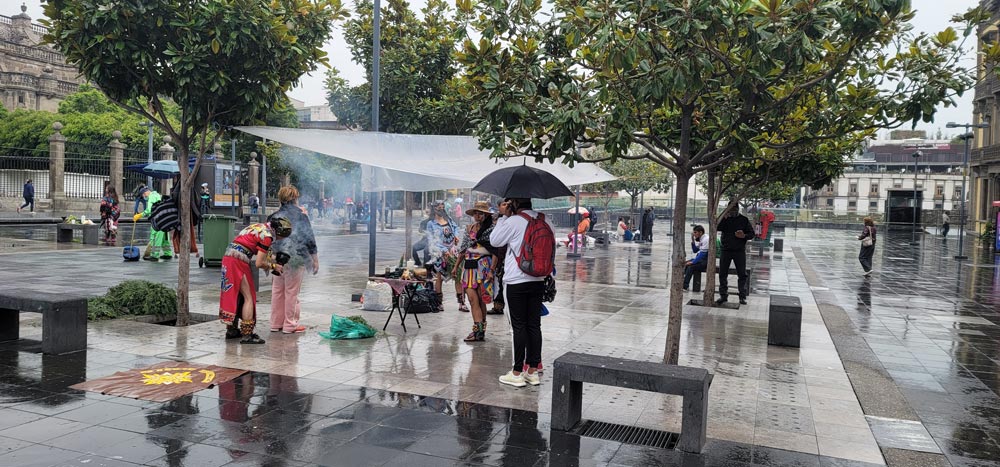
(627, 434)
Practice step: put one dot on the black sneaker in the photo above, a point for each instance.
(720, 301)
(743, 301)
(233, 334)
(149, 258)
(252, 339)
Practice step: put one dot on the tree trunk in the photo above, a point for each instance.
(183, 256)
(714, 192)
(672, 350)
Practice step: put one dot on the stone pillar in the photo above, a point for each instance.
(286, 179)
(57, 169)
(322, 189)
(253, 173)
(117, 169)
(166, 154)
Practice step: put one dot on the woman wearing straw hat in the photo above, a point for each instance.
(477, 267)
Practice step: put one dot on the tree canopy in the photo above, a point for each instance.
(223, 63)
(419, 90)
(699, 83)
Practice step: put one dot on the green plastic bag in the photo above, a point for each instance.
(354, 327)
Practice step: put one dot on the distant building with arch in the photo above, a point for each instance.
(32, 76)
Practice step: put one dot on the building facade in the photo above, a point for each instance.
(32, 76)
(985, 160)
(864, 187)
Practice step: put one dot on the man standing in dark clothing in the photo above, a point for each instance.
(647, 225)
(736, 231)
(28, 193)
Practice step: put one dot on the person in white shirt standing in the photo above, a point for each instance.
(523, 293)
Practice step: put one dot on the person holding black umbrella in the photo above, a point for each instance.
(523, 291)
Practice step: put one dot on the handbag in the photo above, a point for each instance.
(867, 241)
(423, 300)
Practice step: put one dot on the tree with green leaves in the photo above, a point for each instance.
(699, 84)
(223, 63)
(419, 91)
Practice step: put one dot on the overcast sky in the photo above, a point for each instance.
(932, 16)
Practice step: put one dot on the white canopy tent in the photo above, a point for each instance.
(414, 163)
(398, 162)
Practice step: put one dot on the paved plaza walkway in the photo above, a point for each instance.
(900, 368)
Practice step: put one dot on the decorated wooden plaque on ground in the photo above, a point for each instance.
(161, 382)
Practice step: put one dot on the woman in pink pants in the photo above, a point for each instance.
(301, 247)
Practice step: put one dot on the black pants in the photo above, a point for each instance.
(692, 269)
(865, 257)
(739, 258)
(28, 201)
(945, 228)
(417, 247)
(524, 311)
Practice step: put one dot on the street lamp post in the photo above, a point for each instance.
(149, 159)
(965, 175)
(913, 235)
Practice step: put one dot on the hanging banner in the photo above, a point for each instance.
(162, 382)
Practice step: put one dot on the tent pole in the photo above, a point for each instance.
(408, 219)
(376, 58)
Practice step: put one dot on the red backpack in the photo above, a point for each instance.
(538, 248)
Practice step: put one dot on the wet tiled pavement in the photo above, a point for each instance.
(424, 397)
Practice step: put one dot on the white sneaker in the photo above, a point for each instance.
(531, 379)
(511, 380)
(869, 272)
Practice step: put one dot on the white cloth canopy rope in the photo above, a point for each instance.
(392, 162)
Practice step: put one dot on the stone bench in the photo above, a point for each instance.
(64, 233)
(358, 222)
(64, 319)
(784, 323)
(573, 369)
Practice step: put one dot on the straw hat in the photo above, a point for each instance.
(480, 206)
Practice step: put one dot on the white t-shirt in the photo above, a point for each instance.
(509, 231)
(703, 243)
(944, 218)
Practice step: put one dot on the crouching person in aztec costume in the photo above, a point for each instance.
(238, 301)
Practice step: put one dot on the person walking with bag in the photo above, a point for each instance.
(868, 237)
(524, 232)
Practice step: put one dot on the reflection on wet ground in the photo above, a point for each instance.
(424, 397)
(931, 324)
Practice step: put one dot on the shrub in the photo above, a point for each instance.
(133, 298)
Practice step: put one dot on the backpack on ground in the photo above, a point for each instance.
(538, 248)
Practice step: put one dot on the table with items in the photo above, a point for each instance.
(402, 296)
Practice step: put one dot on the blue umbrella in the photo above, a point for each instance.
(159, 169)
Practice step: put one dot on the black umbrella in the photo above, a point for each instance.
(522, 181)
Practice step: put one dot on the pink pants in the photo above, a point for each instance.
(285, 306)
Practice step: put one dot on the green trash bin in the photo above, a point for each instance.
(218, 233)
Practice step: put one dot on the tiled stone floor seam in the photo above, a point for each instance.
(871, 382)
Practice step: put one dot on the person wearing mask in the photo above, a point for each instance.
(238, 299)
(175, 236)
(476, 267)
(301, 249)
(159, 244)
(28, 193)
(441, 234)
(868, 237)
(523, 293)
(699, 246)
(736, 231)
